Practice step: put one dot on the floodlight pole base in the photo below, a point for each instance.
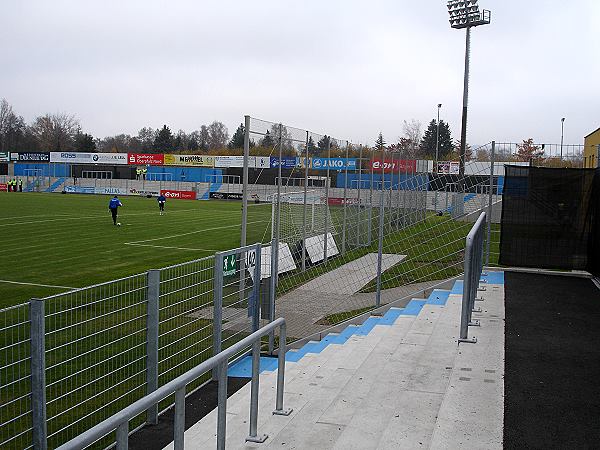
(258, 439)
(282, 412)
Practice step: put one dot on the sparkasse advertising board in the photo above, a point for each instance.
(88, 158)
(146, 159)
(181, 195)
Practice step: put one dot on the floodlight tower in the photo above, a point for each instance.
(466, 14)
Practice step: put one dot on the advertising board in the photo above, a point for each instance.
(146, 159)
(181, 195)
(88, 158)
(395, 166)
(287, 162)
(3, 187)
(448, 167)
(333, 163)
(30, 156)
(4, 157)
(189, 160)
(230, 161)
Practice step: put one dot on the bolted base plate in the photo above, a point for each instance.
(468, 341)
(282, 412)
(477, 310)
(259, 438)
(478, 299)
(474, 323)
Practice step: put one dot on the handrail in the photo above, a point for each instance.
(120, 420)
(473, 268)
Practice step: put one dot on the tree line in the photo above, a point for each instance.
(63, 132)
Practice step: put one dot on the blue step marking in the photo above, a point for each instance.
(438, 297)
(243, 368)
(494, 277)
(457, 288)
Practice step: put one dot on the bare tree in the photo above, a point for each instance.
(218, 135)
(203, 138)
(12, 128)
(56, 132)
(412, 135)
(146, 138)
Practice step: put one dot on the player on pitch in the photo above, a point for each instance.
(113, 207)
(161, 203)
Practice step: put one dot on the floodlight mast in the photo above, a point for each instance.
(465, 14)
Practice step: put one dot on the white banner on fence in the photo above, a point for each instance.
(314, 247)
(88, 158)
(286, 261)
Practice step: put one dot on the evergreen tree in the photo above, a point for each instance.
(445, 146)
(380, 142)
(85, 143)
(163, 142)
(267, 141)
(324, 142)
(312, 148)
(237, 140)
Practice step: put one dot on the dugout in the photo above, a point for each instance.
(3, 168)
(551, 218)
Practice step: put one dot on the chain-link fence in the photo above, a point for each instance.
(356, 228)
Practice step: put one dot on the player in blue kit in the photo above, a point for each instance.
(113, 207)
(161, 203)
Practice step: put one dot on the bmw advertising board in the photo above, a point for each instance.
(89, 158)
(334, 163)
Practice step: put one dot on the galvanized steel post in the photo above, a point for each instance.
(253, 435)
(38, 374)
(490, 204)
(380, 243)
(222, 406)
(217, 309)
(325, 232)
(152, 320)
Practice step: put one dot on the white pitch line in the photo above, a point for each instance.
(176, 248)
(193, 232)
(37, 284)
(88, 217)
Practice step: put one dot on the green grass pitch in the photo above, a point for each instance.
(70, 240)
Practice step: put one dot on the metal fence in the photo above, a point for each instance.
(73, 359)
(474, 252)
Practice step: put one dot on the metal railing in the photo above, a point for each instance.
(473, 270)
(120, 421)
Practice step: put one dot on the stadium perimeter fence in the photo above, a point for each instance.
(73, 359)
(387, 231)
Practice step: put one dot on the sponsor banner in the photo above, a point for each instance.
(30, 156)
(334, 163)
(143, 192)
(88, 158)
(287, 162)
(262, 162)
(189, 160)
(182, 195)
(339, 201)
(389, 166)
(231, 161)
(80, 189)
(226, 195)
(448, 167)
(145, 159)
(4, 157)
(110, 191)
(3, 187)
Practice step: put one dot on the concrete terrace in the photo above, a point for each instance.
(397, 381)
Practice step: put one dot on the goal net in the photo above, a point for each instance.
(299, 219)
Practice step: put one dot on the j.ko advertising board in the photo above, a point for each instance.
(333, 163)
(88, 158)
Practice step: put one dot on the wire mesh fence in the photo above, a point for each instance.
(15, 378)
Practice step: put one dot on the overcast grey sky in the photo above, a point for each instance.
(346, 68)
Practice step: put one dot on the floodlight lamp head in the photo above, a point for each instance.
(439, 105)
